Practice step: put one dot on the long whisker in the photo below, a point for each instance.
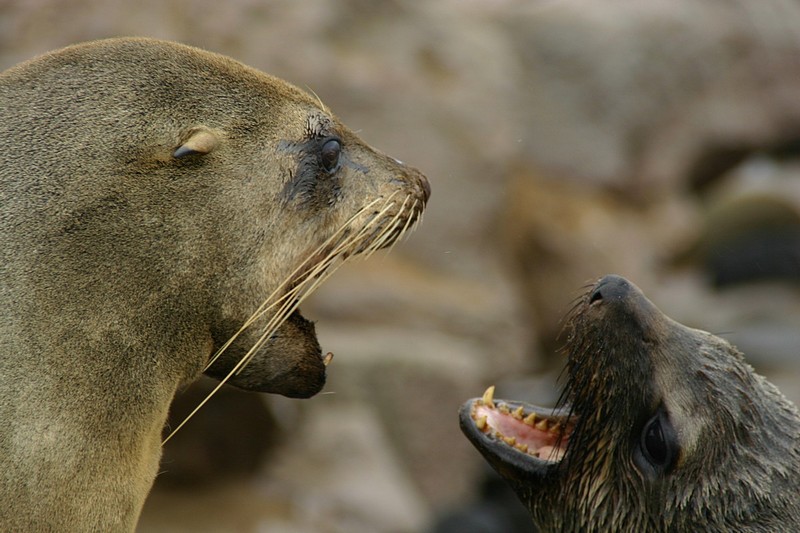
(375, 220)
(338, 248)
(286, 310)
(269, 331)
(384, 234)
(283, 314)
(268, 303)
(388, 232)
(311, 281)
(399, 233)
(404, 231)
(409, 220)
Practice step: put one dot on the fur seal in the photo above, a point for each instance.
(661, 428)
(160, 204)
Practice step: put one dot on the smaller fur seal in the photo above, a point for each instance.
(661, 428)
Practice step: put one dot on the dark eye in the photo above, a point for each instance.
(654, 444)
(329, 154)
(658, 444)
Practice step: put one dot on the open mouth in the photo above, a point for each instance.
(509, 430)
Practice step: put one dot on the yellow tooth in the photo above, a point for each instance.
(511, 441)
(522, 447)
(555, 428)
(542, 425)
(481, 423)
(488, 396)
(327, 359)
(530, 419)
(518, 413)
(503, 408)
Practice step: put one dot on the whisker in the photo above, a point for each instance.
(375, 220)
(411, 218)
(281, 317)
(381, 239)
(305, 288)
(406, 226)
(388, 231)
(339, 248)
(201, 404)
(267, 304)
(402, 231)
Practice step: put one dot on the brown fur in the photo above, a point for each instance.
(153, 196)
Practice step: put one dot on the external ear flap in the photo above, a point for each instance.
(201, 141)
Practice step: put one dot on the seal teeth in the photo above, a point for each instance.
(530, 419)
(327, 359)
(480, 423)
(518, 413)
(488, 397)
(522, 447)
(511, 441)
(541, 425)
(503, 408)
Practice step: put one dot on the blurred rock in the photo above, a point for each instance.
(637, 115)
(651, 98)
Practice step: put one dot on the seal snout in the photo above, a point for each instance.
(414, 180)
(611, 288)
(618, 296)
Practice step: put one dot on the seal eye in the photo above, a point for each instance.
(658, 442)
(654, 443)
(329, 154)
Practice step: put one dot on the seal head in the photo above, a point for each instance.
(661, 428)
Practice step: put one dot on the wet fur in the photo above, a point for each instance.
(729, 460)
(133, 249)
(739, 463)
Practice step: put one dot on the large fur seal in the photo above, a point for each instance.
(663, 429)
(160, 204)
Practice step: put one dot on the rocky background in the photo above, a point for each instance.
(564, 140)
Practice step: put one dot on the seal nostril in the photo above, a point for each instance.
(611, 288)
(596, 296)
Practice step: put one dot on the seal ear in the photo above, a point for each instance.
(201, 140)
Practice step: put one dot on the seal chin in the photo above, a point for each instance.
(520, 441)
(289, 363)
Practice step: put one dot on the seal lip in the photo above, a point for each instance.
(517, 436)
